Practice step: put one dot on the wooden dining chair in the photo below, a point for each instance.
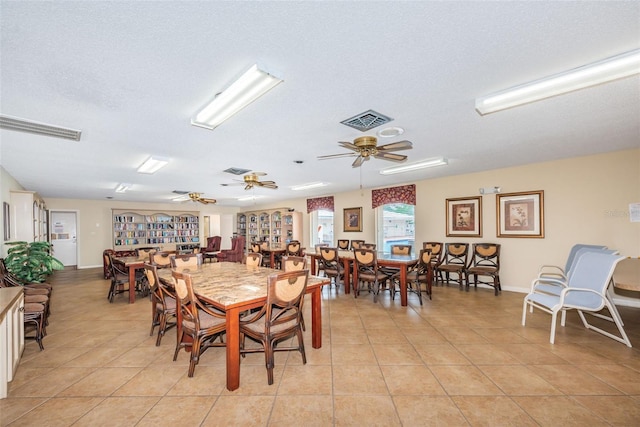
(293, 263)
(331, 265)
(199, 321)
(161, 259)
(280, 319)
(163, 303)
(355, 244)
(366, 263)
(343, 244)
(400, 249)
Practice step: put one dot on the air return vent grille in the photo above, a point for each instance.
(367, 120)
(237, 171)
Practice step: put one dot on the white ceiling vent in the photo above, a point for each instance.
(367, 120)
(22, 125)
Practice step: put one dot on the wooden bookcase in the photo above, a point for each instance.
(170, 230)
(276, 226)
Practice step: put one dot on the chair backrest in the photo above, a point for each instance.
(186, 260)
(293, 248)
(213, 244)
(371, 246)
(187, 301)
(485, 254)
(593, 271)
(158, 290)
(116, 267)
(456, 253)
(264, 246)
(253, 259)
(293, 263)
(144, 253)
(255, 247)
(161, 259)
(329, 256)
(436, 251)
(285, 293)
(343, 244)
(355, 244)
(238, 246)
(320, 245)
(366, 260)
(571, 258)
(424, 262)
(401, 249)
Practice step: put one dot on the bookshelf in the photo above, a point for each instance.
(276, 226)
(168, 230)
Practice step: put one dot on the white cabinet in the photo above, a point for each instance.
(11, 334)
(29, 217)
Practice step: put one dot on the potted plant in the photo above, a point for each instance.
(31, 262)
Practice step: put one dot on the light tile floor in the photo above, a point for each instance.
(461, 359)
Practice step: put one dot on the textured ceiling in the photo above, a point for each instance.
(131, 74)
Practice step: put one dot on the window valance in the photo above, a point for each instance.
(403, 194)
(324, 203)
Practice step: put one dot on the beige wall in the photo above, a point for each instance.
(586, 201)
(95, 222)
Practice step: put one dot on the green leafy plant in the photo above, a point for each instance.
(31, 262)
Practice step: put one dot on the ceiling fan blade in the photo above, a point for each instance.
(358, 162)
(390, 156)
(335, 156)
(248, 187)
(266, 182)
(269, 184)
(396, 146)
(258, 173)
(349, 145)
(207, 201)
(233, 183)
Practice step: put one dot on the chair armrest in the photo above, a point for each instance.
(551, 270)
(547, 281)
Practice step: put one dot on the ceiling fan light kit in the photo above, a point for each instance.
(606, 70)
(366, 147)
(251, 85)
(429, 163)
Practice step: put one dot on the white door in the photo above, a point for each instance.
(63, 237)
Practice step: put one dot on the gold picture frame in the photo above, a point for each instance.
(352, 219)
(464, 217)
(520, 214)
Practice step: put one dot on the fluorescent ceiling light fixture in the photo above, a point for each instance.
(245, 198)
(254, 83)
(616, 67)
(153, 165)
(308, 186)
(22, 125)
(121, 188)
(429, 163)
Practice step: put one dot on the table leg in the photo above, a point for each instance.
(316, 318)
(347, 275)
(403, 285)
(132, 285)
(313, 265)
(233, 349)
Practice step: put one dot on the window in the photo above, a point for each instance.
(321, 227)
(395, 225)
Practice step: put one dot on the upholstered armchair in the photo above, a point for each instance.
(236, 253)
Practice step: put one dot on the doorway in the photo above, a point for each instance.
(64, 237)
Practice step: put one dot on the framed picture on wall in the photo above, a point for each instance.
(520, 214)
(464, 217)
(352, 219)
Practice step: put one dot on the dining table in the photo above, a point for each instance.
(235, 288)
(385, 259)
(131, 263)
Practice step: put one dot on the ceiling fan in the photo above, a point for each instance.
(196, 197)
(366, 147)
(251, 179)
